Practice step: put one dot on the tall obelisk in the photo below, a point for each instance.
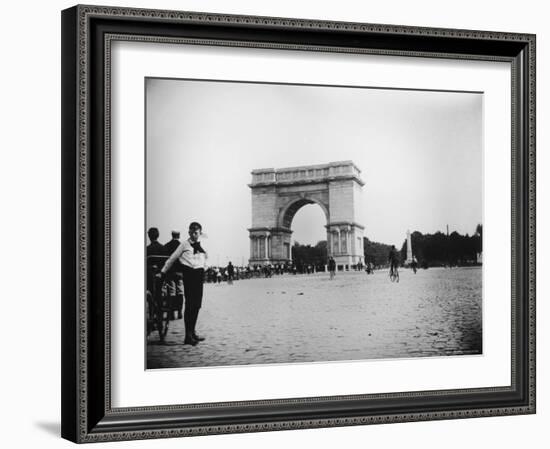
(409, 248)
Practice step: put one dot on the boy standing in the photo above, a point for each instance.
(192, 258)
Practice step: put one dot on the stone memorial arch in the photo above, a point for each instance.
(277, 194)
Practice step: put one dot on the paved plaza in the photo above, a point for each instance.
(307, 318)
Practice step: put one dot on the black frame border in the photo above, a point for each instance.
(87, 33)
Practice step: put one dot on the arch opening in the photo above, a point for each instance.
(308, 225)
(290, 211)
(309, 238)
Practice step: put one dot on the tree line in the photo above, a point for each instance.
(440, 249)
(306, 255)
(431, 250)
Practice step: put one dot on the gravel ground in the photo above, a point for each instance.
(306, 318)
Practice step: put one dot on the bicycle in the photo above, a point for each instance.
(158, 308)
(394, 274)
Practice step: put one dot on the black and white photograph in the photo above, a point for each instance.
(295, 223)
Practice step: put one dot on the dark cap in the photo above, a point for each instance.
(195, 225)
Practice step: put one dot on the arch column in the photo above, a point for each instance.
(344, 241)
(350, 247)
(263, 245)
(270, 245)
(252, 247)
(329, 243)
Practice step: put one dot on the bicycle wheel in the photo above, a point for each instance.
(149, 312)
(163, 325)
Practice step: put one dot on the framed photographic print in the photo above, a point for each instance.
(283, 223)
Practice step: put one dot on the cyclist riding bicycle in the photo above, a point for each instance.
(414, 264)
(393, 259)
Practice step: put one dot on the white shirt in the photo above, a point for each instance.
(185, 253)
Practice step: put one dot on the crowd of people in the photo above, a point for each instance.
(229, 273)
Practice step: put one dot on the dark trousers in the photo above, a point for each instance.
(193, 281)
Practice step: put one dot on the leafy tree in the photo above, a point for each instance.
(303, 255)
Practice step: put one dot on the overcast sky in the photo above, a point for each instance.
(420, 154)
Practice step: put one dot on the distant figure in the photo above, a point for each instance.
(192, 258)
(414, 264)
(174, 278)
(155, 257)
(331, 267)
(230, 273)
(173, 244)
(154, 248)
(393, 259)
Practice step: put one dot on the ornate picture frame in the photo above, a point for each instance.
(88, 33)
